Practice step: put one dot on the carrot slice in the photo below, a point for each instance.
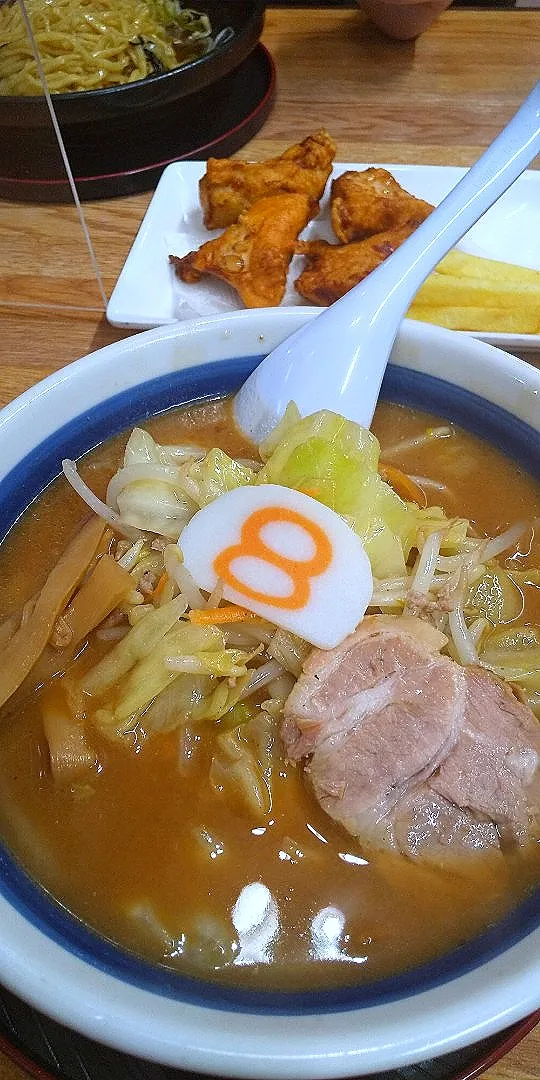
(160, 585)
(213, 616)
(403, 485)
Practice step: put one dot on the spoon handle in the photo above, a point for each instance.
(338, 360)
(504, 160)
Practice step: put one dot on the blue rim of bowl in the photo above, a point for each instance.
(30, 477)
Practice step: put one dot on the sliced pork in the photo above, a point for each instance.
(492, 769)
(323, 699)
(408, 749)
(424, 823)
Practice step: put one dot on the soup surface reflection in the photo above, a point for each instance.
(155, 859)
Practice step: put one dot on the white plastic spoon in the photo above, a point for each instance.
(337, 361)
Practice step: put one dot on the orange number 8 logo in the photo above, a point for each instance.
(300, 571)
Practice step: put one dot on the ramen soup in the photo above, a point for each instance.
(202, 785)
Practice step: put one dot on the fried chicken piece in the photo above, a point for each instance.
(368, 202)
(333, 269)
(230, 186)
(254, 254)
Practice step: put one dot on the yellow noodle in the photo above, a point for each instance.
(90, 44)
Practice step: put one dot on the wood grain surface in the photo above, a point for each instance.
(439, 100)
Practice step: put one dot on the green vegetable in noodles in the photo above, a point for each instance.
(433, 519)
(154, 506)
(160, 487)
(230, 663)
(216, 474)
(239, 714)
(336, 461)
(176, 704)
(199, 651)
(148, 491)
(137, 644)
(141, 448)
(496, 596)
(242, 766)
(289, 650)
(220, 701)
(513, 653)
(150, 675)
(290, 418)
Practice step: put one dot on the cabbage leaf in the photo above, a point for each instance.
(138, 643)
(159, 488)
(215, 475)
(141, 448)
(513, 653)
(433, 519)
(243, 764)
(148, 491)
(336, 461)
(175, 706)
(155, 506)
(496, 596)
(221, 700)
(204, 648)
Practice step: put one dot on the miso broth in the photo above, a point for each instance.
(148, 854)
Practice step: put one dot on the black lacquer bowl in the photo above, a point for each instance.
(237, 24)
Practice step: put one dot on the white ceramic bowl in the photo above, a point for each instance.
(62, 969)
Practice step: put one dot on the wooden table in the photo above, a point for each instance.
(439, 100)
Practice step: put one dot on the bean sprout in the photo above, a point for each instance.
(178, 572)
(463, 641)
(444, 432)
(128, 560)
(100, 508)
(504, 541)
(425, 568)
(259, 677)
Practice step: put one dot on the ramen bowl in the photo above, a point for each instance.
(62, 967)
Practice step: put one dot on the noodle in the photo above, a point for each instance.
(93, 44)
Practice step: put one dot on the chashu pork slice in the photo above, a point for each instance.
(493, 768)
(378, 715)
(410, 750)
(486, 793)
(382, 645)
(426, 824)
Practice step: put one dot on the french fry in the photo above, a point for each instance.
(442, 290)
(461, 264)
(483, 319)
(467, 292)
(496, 305)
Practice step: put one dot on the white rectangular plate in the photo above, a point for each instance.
(148, 293)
